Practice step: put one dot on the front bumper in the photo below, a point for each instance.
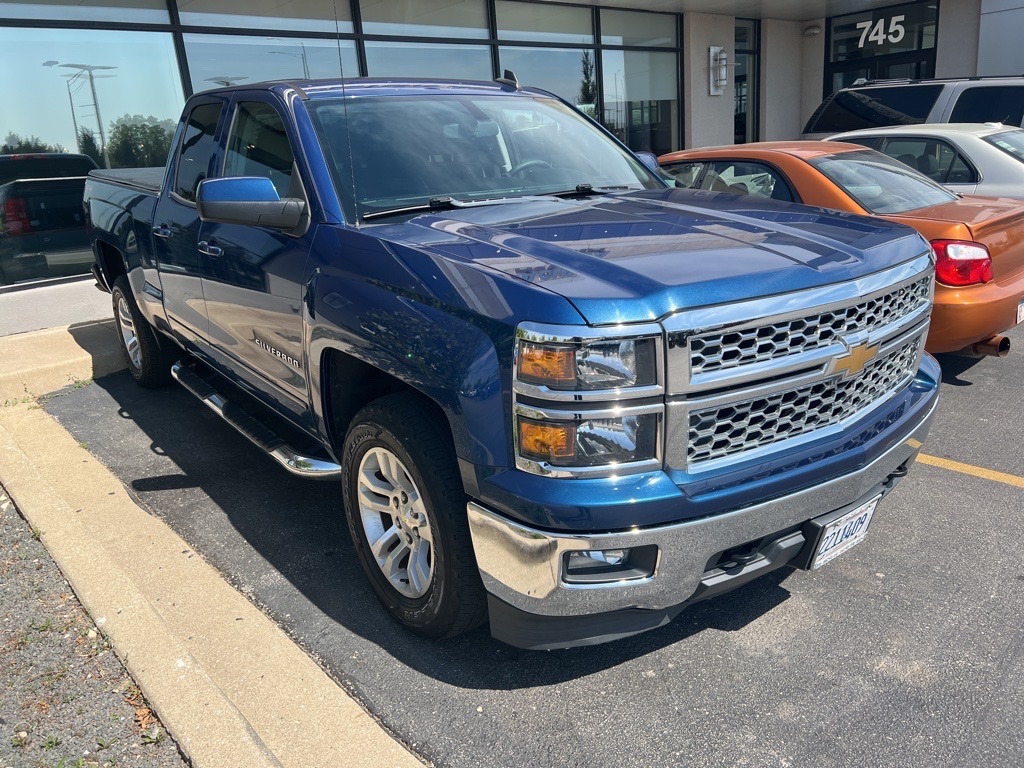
(533, 607)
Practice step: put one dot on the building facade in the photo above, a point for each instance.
(108, 77)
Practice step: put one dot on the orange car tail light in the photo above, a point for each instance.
(960, 262)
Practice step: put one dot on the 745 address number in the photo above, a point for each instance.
(875, 31)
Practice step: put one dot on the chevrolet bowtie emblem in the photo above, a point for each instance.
(853, 362)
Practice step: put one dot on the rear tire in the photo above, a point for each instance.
(148, 362)
(406, 511)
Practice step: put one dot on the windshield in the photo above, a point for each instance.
(409, 150)
(1011, 142)
(879, 183)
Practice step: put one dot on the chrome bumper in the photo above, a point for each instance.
(523, 566)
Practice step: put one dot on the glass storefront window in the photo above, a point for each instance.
(641, 99)
(140, 11)
(544, 23)
(425, 18)
(134, 76)
(114, 96)
(217, 60)
(745, 79)
(566, 72)
(460, 62)
(297, 15)
(638, 28)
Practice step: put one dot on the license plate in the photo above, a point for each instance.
(1020, 313)
(845, 533)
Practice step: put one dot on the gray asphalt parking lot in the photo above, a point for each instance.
(907, 651)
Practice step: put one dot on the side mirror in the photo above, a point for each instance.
(649, 159)
(248, 200)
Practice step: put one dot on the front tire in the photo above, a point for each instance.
(148, 362)
(406, 511)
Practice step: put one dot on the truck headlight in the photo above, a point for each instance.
(587, 401)
(595, 365)
(588, 441)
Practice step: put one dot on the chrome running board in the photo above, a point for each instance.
(256, 431)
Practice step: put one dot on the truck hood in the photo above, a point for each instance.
(640, 256)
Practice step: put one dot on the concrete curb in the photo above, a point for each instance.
(43, 361)
(227, 682)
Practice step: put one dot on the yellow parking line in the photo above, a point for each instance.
(968, 469)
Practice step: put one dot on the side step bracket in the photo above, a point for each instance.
(257, 432)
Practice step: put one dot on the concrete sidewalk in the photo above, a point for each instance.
(229, 685)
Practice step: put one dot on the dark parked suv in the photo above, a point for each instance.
(875, 103)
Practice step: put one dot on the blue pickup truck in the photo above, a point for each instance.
(559, 395)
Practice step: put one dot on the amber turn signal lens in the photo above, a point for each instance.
(551, 366)
(547, 441)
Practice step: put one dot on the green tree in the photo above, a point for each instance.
(588, 85)
(88, 145)
(15, 144)
(138, 142)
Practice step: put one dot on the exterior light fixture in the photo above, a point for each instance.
(718, 70)
(812, 31)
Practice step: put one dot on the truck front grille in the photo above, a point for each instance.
(723, 431)
(724, 350)
(750, 380)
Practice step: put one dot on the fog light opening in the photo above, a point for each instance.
(609, 566)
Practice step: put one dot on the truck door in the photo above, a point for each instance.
(176, 221)
(253, 276)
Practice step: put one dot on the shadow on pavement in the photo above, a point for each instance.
(196, 473)
(954, 366)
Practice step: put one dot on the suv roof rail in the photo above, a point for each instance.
(862, 81)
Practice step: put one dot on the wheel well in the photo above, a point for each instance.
(350, 384)
(111, 261)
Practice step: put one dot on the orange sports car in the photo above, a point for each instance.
(978, 241)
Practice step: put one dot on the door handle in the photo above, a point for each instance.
(213, 251)
(162, 231)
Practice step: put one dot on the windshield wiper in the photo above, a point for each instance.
(444, 203)
(586, 190)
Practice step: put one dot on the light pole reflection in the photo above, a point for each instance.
(89, 69)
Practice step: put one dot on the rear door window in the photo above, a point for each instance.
(990, 104)
(859, 108)
(746, 178)
(197, 149)
(685, 174)
(935, 158)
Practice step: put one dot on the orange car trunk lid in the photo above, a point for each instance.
(995, 222)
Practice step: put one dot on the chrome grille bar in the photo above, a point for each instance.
(722, 350)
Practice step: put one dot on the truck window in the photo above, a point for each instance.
(258, 146)
(852, 110)
(197, 148)
(990, 104)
